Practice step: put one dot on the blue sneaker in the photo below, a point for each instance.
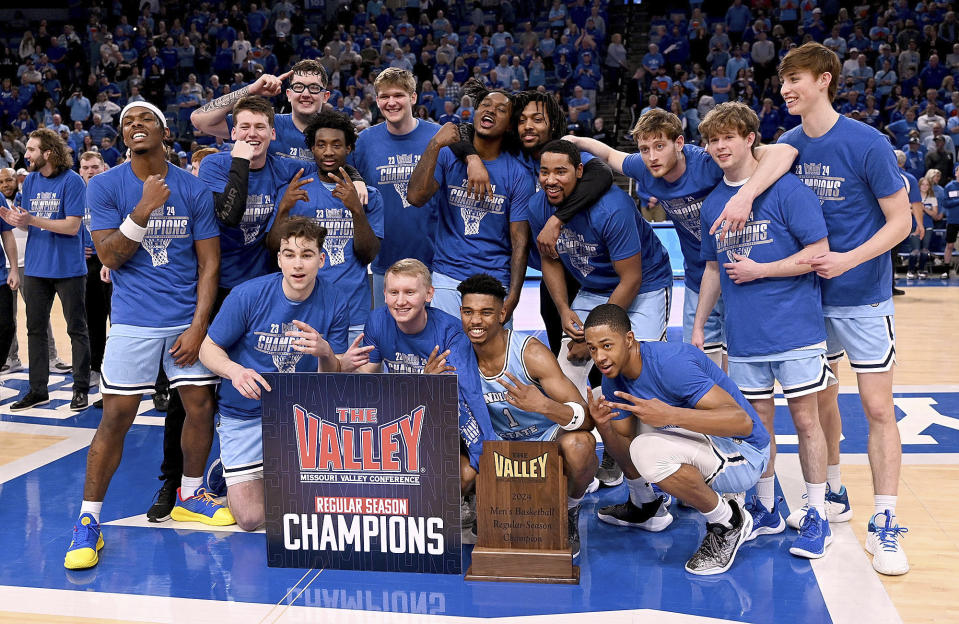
(882, 542)
(201, 507)
(87, 541)
(814, 536)
(837, 505)
(215, 482)
(765, 522)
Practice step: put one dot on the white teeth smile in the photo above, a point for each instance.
(139, 135)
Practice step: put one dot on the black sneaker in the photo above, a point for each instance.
(32, 399)
(161, 399)
(652, 516)
(898, 292)
(98, 404)
(80, 401)
(609, 473)
(718, 550)
(164, 500)
(572, 515)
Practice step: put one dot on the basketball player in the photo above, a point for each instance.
(153, 226)
(701, 438)
(386, 155)
(767, 289)
(489, 234)
(852, 168)
(680, 176)
(527, 395)
(615, 256)
(410, 336)
(354, 230)
(97, 296)
(288, 322)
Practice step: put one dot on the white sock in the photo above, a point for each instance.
(189, 485)
(722, 514)
(883, 502)
(640, 491)
(816, 497)
(766, 491)
(92, 508)
(833, 479)
(572, 502)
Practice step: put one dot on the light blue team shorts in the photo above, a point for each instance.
(866, 333)
(799, 372)
(648, 313)
(133, 357)
(241, 448)
(715, 331)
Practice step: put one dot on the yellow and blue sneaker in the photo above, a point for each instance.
(87, 541)
(201, 507)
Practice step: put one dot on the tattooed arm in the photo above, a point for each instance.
(211, 117)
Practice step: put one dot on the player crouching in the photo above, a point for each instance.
(527, 395)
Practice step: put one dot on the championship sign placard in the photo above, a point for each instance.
(361, 472)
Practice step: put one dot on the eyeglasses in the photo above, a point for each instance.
(299, 87)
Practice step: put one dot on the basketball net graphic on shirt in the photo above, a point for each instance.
(279, 346)
(684, 211)
(339, 232)
(577, 250)
(161, 230)
(401, 189)
(474, 211)
(397, 171)
(742, 242)
(259, 208)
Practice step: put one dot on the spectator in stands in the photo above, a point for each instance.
(941, 159)
(915, 157)
(938, 133)
(99, 130)
(929, 120)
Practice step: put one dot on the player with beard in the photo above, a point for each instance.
(486, 233)
(527, 395)
(386, 155)
(287, 322)
(51, 212)
(153, 226)
(353, 230)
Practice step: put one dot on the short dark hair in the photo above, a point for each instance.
(482, 284)
(330, 119)
(564, 147)
(610, 315)
(255, 104)
(312, 67)
(301, 227)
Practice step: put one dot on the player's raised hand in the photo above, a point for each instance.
(356, 356)
(733, 217)
(743, 269)
(599, 408)
(295, 191)
(436, 363)
(345, 191)
(269, 85)
(653, 412)
(478, 185)
(248, 382)
(526, 397)
(242, 149)
(155, 193)
(448, 134)
(17, 217)
(572, 325)
(308, 340)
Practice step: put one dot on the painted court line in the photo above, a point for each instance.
(76, 439)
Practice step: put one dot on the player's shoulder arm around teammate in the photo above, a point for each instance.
(543, 367)
(427, 177)
(613, 157)
(597, 179)
(229, 185)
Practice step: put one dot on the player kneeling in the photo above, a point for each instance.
(527, 395)
(700, 438)
(286, 322)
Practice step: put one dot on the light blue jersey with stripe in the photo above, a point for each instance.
(510, 422)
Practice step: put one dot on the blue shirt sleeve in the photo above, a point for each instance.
(621, 235)
(371, 336)
(442, 162)
(214, 175)
(881, 169)
(802, 213)
(105, 214)
(74, 195)
(685, 378)
(521, 193)
(707, 249)
(913, 188)
(230, 323)
(634, 167)
(338, 334)
(204, 221)
(375, 212)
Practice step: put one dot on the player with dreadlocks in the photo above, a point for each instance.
(490, 228)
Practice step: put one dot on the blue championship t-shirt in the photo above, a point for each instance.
(251, 327)
(680, 375)
(342, 269)
(156, 287)
(408, 353)
(474, 236)
(386, 161)
(850, 168)
(784, 219)
(289, 141)
(49, 254)
(915, 197)
(243, 253)
(681, 200)
(611, 230)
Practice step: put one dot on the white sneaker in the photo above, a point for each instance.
(882, 542)
(910, 275)
(837, 509)
(593, 486)
(11, 366)
(59, 367)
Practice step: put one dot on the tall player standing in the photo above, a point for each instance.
(385, 155)
(153, 226)
(853, 170)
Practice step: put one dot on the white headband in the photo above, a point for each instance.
(143, 104)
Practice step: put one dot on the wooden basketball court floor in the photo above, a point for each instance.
(175, 572)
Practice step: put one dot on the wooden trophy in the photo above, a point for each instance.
(521, 517)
